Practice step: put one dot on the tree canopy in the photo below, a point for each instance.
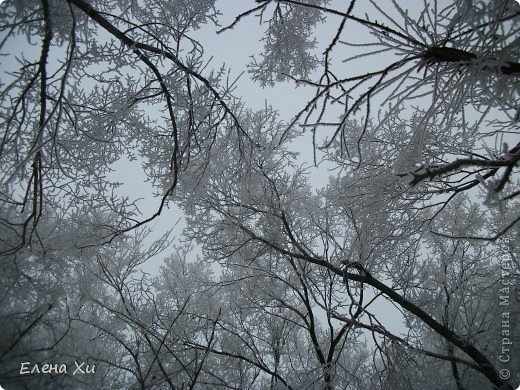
(401, 272)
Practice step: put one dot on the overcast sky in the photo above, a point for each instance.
(233, 49)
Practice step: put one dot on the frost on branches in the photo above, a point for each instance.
(401, 272)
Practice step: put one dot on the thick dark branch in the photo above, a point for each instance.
(384, 332)
(437, 54)
(447, 54)
(365, 277)
(485, 365)
(139, 49)
(36, 178)
(433, 171)
(103, 22)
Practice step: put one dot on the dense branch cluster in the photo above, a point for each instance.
(400, 273)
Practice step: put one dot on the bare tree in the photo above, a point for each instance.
(418, 121)
(455, 77)
(80, 103)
